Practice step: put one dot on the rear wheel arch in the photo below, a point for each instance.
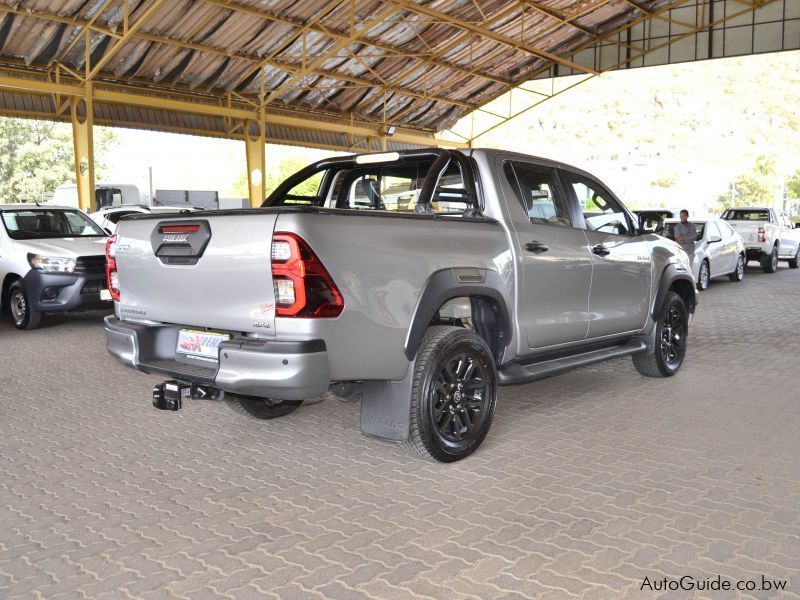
(487, 315)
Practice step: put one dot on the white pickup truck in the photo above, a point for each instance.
(768, 235)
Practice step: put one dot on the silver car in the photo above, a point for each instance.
(718, 251)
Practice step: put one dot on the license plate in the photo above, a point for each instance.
(105, 295)
(200, 344)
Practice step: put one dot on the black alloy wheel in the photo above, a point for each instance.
(665, 355)
(453, 394)
(461, 393)
(674, 330)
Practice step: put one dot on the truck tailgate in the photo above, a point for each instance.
(747, 229)
(208, 269)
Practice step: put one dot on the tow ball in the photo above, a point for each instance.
(168, 395)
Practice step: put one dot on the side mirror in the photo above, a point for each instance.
(108, 231)
(713, 239)
(651, 223)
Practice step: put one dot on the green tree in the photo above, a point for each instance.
(793, 186)
(759, 186)
(276, 173)
(37, 156)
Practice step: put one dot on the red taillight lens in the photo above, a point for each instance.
(112, 277)
(179, 229)
(762, 235)
(303, 287)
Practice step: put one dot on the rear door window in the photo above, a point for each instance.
(537, 190)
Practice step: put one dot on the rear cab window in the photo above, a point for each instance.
(537, 190)
(391, 186)
(739, 214)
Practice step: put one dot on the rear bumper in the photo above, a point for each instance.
(59, 292)
(279, 370)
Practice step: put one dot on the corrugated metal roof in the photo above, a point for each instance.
(420, 65)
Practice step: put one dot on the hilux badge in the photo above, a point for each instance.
(175, 238)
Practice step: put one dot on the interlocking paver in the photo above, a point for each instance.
(587, 483)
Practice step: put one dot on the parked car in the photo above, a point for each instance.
(108, 218)
(420, 312)
(769, 235)
(718, 251)
(52, 259)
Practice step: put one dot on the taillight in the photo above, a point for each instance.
(112, 277)
(762, 235)
(303, 287)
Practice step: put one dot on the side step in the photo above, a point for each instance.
(516, 373)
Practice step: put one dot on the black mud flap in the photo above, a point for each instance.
(386, 407)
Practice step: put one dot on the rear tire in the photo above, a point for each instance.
(672, 336)
(453, 395)
(23, 315)
(794, 263)
(262, 408)
(769, 262)
(738, 273)
(704, 276)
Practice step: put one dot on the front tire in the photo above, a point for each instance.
(672, 336)
(704, 276)
(262, 408)
(738, 273)
(769, 262)
(23, 315)
(794, 263)
(453, 396)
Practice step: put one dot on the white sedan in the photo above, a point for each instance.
(718, 251)
(108, 218)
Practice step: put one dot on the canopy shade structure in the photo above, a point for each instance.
(354, 75)
(342, 74)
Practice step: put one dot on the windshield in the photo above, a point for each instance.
(37, 224)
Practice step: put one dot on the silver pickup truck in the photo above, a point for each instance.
(415, 281)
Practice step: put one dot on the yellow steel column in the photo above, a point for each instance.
(254, 146)
(81, 110)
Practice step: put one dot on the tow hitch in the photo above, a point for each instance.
(168, 395)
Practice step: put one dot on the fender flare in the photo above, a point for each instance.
(458, 282)
(669, 275)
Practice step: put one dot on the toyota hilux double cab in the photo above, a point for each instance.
(415, 281)
(52, 259)
(768, 234)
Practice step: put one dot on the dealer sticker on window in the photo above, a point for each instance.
(200, 344)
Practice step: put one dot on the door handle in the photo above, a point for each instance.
(536, 247)
(601, 250)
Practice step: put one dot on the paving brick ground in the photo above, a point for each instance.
(587, 483)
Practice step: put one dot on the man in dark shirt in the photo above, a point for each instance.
(686, 234)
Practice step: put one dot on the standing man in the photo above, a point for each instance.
(686, 234)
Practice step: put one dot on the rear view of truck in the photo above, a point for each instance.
(271, 306)
(768, 236)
